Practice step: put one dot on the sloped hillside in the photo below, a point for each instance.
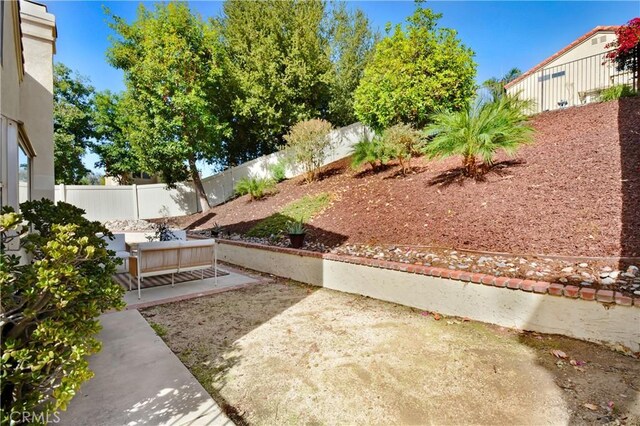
(575, 191)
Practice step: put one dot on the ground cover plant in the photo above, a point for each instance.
(299, 211)
(50, 307)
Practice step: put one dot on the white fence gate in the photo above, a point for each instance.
(156, 200)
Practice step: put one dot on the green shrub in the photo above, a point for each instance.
(297, 211)
(479, 132)
(372, 151)
(617, 92)
(255, 187)
(308, 144)
(401, 142)
(50, 306)
(278, 171)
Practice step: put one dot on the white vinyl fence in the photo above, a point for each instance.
(156, 200)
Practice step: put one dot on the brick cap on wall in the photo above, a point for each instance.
(540, 287)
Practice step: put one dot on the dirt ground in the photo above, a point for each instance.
(575, 191)
(284, 353)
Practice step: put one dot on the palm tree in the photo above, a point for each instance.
(479, 131)
(496, 86)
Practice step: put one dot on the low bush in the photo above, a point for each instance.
(617, 92)
(478, 132)
(308, 144)
(256, 188)
(50, 306)
(278, 171)
(297, 211)
(371, 151)
(401, 142)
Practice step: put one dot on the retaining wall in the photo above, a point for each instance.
(599, 316)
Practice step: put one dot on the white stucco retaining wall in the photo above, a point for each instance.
(587, 320)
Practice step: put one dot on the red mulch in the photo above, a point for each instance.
(575, 192)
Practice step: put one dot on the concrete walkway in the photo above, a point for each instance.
(139, 381)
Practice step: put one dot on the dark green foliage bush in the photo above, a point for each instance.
(371, 151)
(617, 92)
(50, 306)
(255, 187)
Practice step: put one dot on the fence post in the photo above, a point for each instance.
(63, 192)
(136, 210)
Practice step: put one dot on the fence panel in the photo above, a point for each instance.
(101, 202)
(155, 200)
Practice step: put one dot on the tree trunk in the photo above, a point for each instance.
(203, 201)
(470, 168)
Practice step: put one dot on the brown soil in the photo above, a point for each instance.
(283, 353)
(575, 192)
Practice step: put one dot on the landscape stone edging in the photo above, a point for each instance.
(540, 287)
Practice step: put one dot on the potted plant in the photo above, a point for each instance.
(296, 231)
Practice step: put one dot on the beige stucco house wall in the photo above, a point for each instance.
(26, 102)
(573, 76)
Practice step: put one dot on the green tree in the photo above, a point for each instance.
(72, 123)
(351, 42)
(415, 70)
(479, 131)
(495, 86)
(279, 71)
(117, 156)
(172, 62)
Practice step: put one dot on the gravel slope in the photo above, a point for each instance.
(575, 192)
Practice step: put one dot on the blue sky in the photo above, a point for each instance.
(502, 34)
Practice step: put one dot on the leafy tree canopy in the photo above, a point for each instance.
(172, 61)
(414, 71)
(289, 61)
(72, 123)
(117, 156)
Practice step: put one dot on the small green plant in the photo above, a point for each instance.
(401, 142)
(278, 171)
(308, 144)
(296, 228)
(163, 233)
(160, 329)
(256, 188)
(372, 151)
(300, 210)
(479, 131)
(617, 92)
(50, 305)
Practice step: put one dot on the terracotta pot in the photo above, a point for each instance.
(297, 240)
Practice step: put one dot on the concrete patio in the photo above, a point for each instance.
(187, 290)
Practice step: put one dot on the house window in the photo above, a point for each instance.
(24, 175)
(544, 77)
(558, 74)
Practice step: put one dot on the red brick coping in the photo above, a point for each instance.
(531, 286)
